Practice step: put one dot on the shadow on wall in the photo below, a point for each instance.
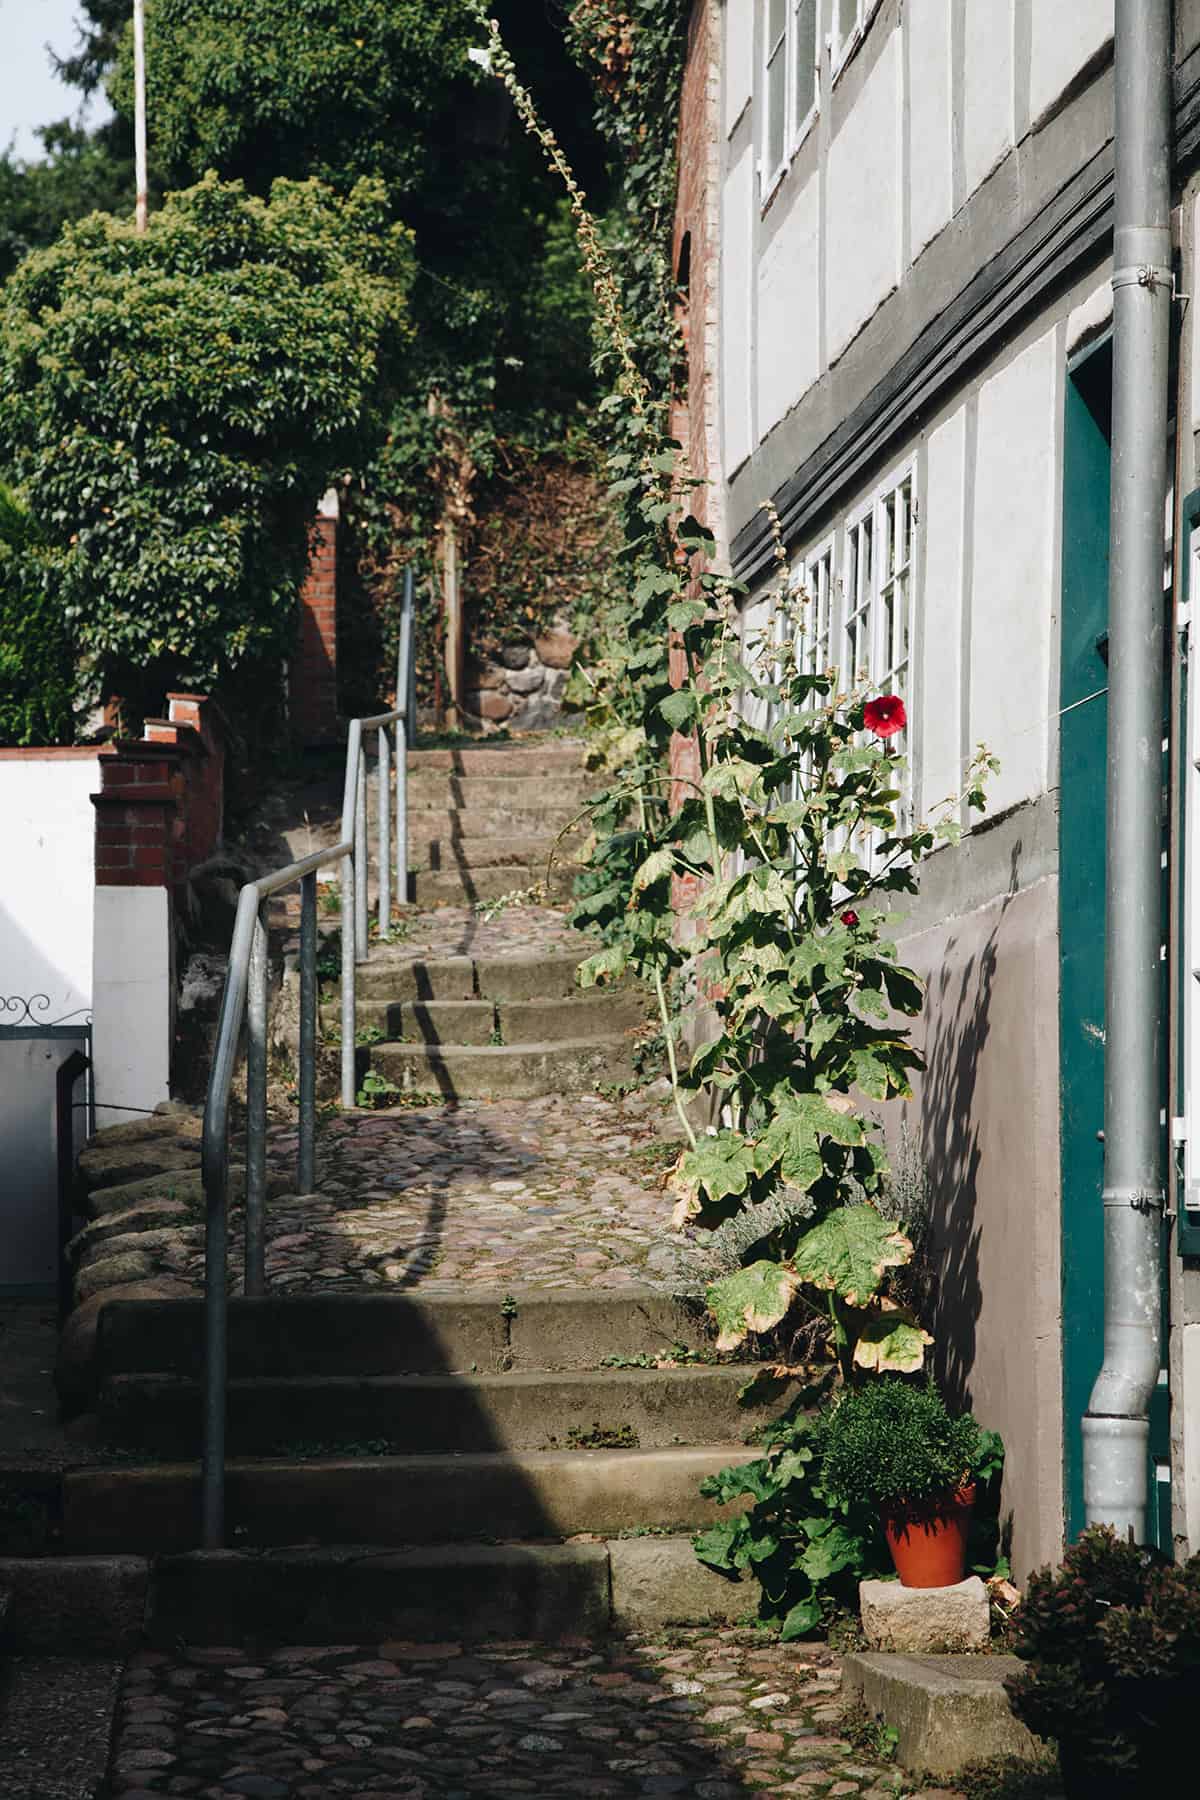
(959, 1006)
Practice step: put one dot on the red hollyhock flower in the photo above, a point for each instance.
(885, 716)
(850, 918)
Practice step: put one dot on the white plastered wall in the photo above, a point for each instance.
(46, 904)
(46, 879)
(132, 987)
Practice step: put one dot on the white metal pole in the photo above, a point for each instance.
(139, 108)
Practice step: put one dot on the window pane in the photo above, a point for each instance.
(806, 57)
(776, 23)
(847, 18)
(776, 99)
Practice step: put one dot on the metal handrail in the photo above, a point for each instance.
(245, 1001)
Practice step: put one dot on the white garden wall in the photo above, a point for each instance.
(47, 898)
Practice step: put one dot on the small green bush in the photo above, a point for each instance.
(1111, 1643)
(894, 1444)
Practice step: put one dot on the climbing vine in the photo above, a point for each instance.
(792, 836)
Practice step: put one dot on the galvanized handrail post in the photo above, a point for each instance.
(405, 709)
(256, 1105)
(349, 1020)
(385, 833)
(245, 1001)
(361, 863)
(306, 1162)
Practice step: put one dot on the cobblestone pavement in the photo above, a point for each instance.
(703, 1713)
(556, 1192)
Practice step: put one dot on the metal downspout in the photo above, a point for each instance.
(1116, 1428)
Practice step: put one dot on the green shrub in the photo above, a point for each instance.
(174, 404)
(894, 1444)
(36, 661)
(1111, 1643)
(807, 1547)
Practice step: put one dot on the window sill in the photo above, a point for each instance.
(772, 187)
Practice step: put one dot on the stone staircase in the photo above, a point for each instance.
(461, 1446)
(483, 822)
(422, 1458)
(470, 1027)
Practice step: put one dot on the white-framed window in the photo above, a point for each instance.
(848, 26)
(877, 596)
(791, 83)
(813, 574)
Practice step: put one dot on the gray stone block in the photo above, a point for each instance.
(74, 1605)
(924, 1620)
(659, 1581)
(946, 1710)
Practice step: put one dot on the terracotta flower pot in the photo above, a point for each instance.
(929, 1543)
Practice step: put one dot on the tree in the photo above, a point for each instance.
(36, 659)
(175, 404)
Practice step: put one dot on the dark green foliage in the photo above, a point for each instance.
(80, 173)
(339, 89)
(176, 403)
(807, 1547)
(895, 1444)
(815, 1529)
(1112, 1647)
(36, 665)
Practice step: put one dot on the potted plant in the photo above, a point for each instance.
(1111, 1648)
(898, 1446)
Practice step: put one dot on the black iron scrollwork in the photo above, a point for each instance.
(25, 1008)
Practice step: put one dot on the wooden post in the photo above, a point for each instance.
(139, 109)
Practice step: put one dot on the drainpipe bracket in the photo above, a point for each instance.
(1140, 1199)
(1147, 275)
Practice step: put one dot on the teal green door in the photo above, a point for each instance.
(1083, 749)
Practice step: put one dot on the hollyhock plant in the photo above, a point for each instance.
(885, 716)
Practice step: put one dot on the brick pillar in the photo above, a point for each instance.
(312, 679)
(191, 728)
(137, 821)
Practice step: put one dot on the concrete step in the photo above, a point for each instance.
(399, 1334)
(527, 850)
(514, 1021)
(519, 793)
(550, 1494)
(436, 1414)
(391, 975)
(500, 759)
(467, 886)
(518, 1071)
(471, 1592)
(472, 824)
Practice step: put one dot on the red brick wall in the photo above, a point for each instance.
(313, 674)
(136, 815)
(159, 809)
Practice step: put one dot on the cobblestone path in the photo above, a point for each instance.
(704, 1713)
(556, 1192)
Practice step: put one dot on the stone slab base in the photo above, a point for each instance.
(921, 1621)
(947, 1710)
(359, 1592)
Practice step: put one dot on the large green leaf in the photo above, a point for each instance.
(752, 1299)
(803, 1619)
(793, 1137)
(849, 1252)
(717, 1546)
(719, 1166)
(833, 1551)
(657, 864)
(888, 1340)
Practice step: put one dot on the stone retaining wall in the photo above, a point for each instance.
(522, 685)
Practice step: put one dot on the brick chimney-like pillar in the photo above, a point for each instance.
(312, 681)
(132, 978)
